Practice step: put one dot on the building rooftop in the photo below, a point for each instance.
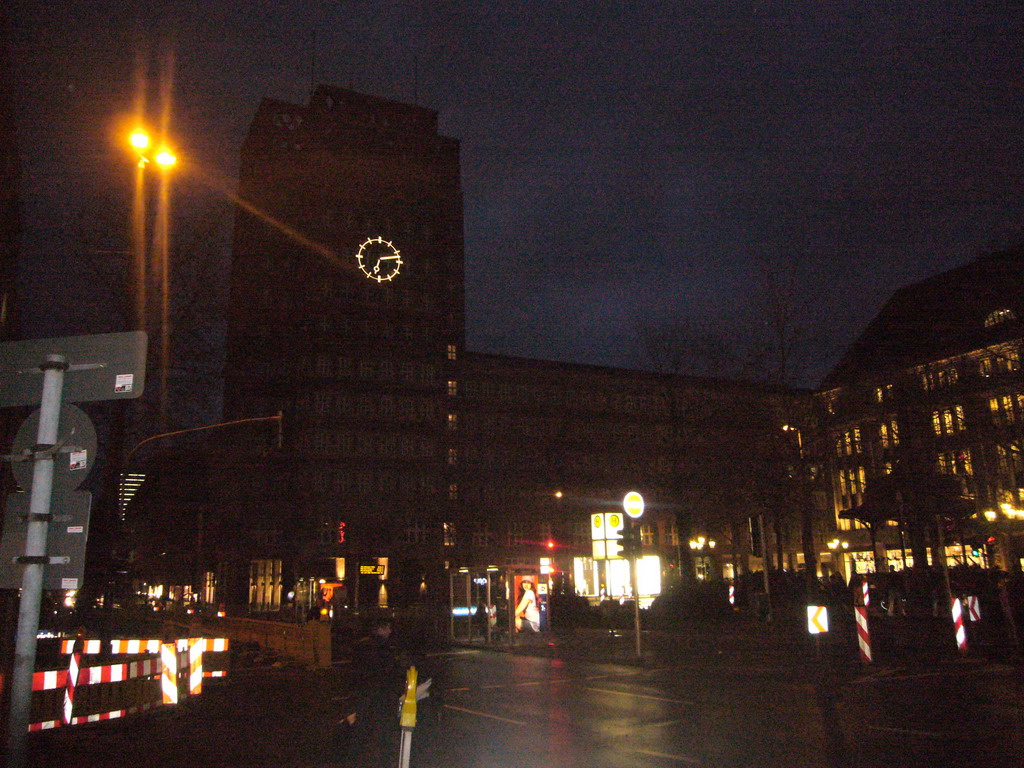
(955, 312)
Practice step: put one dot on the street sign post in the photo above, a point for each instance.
(49, 372)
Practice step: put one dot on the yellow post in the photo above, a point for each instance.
(408, 717)
(409, 702)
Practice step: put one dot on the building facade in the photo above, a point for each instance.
(923, 423)
(346, 314)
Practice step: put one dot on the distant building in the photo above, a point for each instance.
(924, 422)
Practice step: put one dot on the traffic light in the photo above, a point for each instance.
(341, 532)
(550, 544)
(630, 544)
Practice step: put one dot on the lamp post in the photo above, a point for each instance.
(702, 545)
(164, 159)
(837, 547)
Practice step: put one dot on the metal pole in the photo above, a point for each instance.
(451, 604)
(636, 603)
(469, 607)
(488, 607)
(764, 570)
(35, 556)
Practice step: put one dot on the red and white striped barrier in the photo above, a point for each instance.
(732, 595)
(863, 635)
(169, 673)
(69, 687)
(958, 625)
(196, 646)
(174, 658)
(866, 592)
(973, 609)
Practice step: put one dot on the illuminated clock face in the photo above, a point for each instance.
(379, 259)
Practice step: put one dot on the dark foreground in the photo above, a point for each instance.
(741, 698)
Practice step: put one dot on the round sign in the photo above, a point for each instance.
(76, 453)
(633, 503)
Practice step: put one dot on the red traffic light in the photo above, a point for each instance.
(550, 544)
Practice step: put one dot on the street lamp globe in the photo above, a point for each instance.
(165, 158)
(139, 139)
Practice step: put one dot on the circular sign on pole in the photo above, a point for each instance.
(633, 503)
(76, 437)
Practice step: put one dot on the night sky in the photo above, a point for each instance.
(623, 163)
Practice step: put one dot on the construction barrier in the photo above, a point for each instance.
(973, 609)
(863, 635)
(308, 643)
(958, 626)
(865, 592)
(104, 692)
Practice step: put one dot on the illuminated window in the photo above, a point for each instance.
(948, 421)
(448, 530)
(453, 422)
(889, 433)
(955, 463)
(453, 456)
(453, 387)
(851, 486)
(848, 442)
(941, 377)
(647, 534)
(883, 394)
(999, 316)
(453, 491)
(452, 352)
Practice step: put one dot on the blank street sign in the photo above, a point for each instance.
(106, 366)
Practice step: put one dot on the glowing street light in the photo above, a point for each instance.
(139, 139)
(142, 143)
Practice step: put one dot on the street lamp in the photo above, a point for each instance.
(703, 544)
(142, 143)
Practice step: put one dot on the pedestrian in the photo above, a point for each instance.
(527, 613)
(369, 728)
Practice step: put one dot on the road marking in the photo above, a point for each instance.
(677, 758)
(462, 652)
(527, 682)
(908, 732)
(882, 677)
(641, 696)
(663, 723)
(485, 714)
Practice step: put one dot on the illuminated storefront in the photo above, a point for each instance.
(610, 579)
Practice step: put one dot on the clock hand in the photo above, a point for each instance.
(376, 268)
